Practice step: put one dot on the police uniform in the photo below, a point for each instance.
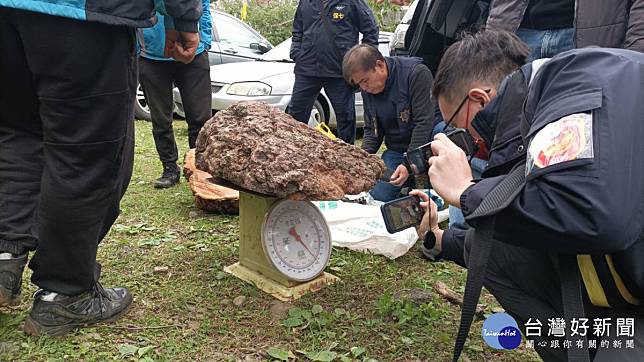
(401, 115)
(578, 143)
(322, 33)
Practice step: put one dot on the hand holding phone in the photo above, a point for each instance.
(402, 213)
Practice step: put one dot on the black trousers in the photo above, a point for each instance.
(527, 283)
(193, 81)
(66, 141)
(305, 91)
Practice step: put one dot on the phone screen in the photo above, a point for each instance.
(402, 213)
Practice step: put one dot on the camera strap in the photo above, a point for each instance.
(481, 241)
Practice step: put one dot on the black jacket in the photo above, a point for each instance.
(320, 39)
(403, 114)
(586, 205)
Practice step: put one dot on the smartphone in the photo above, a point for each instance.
(418, 157)
(402, 213)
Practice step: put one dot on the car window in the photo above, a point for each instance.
(234, 34)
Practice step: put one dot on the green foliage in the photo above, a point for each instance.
(405, 311)
(274, 19)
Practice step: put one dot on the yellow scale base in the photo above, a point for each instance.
(253, 266)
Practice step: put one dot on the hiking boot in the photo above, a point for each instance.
(11, 279)
(55, 314)
(170, 177)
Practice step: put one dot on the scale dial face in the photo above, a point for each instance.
(296, 239)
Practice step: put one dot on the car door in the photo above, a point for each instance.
(233, 40)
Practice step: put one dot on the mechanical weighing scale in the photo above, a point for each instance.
(284, 245)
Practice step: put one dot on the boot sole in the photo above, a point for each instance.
(165, 186)
(8, 299)
(33, 328)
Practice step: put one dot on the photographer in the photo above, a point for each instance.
(396, 109)
(569, 211)
(501, 53)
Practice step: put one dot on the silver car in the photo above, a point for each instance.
(270, 79)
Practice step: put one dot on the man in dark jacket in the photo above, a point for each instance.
(582, 193)
(66, 146)
(323, 31)
(396, 109)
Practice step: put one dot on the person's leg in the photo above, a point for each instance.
(557, 41)
(534, 39)
(193, 81)
(85, 75)
(527, 285)
(344, 104)
(384, 191)
(20, 162)
(305, 90)
(156, 77)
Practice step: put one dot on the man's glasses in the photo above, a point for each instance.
(458, 109)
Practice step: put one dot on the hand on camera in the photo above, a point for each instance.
(449, 171)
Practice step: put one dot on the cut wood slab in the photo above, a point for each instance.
(209, 196)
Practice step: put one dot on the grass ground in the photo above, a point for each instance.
(194, 311)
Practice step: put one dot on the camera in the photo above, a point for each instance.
(417, 158)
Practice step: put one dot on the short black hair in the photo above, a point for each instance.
(486, 56)
(361, 57)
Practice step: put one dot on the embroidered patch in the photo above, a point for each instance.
(569, 138)
(339, 12)
(404, 115)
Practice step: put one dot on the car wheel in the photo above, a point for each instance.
(317, 114)
(141, 109)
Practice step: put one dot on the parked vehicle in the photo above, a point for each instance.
(397, 43)
(232, 41)
(270, 79)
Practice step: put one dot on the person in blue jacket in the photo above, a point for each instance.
(157, 74)
(66, 145)
(323, 31)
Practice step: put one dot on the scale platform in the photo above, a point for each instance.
(255, 266)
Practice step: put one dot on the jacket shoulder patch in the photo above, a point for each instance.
(569, 138)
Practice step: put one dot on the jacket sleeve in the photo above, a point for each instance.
(634, 39)
(205, 25)
(453, 246)
(371, 141)
(422, 107)
(506, 14)
(367, 24)
(296, 41)
(552, 214)
(183, 14)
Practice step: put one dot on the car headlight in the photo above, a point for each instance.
(249, 89)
